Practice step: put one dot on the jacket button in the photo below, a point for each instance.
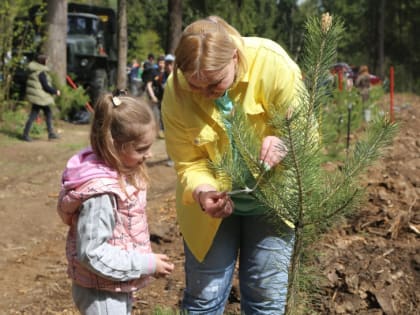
(196, 141)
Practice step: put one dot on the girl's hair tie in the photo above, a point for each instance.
(115, 96)
(116, 101)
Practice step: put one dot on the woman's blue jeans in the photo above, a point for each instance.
(264, 256)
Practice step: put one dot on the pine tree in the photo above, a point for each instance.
(300, 190)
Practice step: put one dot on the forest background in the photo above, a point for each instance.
(379, 33)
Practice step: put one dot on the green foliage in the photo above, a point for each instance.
(336, 112)
(16, 40)
(145, 43)
(164, 311)
(70, 101)
(335, 115)
(100, 3)
(147, 26)
(136, 27)
(282, 21)
(13, 122)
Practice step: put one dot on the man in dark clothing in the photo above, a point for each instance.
(152, 79)
(39, 93)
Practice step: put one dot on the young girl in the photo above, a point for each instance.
(103, 200)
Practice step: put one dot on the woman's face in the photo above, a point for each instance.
(135, 155)
(213, 84)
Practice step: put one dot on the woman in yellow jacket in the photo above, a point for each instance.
(217, 70)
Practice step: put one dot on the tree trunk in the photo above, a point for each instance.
(55, 46)
(122, 45)
(174, 25)
(381, 37)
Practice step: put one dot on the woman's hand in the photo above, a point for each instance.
(215, 204)
(273, 151)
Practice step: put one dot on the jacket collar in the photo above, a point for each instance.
(238, 93)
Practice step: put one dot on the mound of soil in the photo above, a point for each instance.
(371, 262)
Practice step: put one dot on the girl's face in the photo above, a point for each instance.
(134, 155)
(213, 84)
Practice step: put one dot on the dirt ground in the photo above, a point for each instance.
(371, 263)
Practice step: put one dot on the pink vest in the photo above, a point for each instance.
(130, 232)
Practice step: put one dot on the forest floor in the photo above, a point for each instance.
(371, 262)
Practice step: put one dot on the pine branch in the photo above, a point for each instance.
(331, 214)
(298, 176)
(380, 135)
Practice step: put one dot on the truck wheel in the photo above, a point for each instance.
(99, 83)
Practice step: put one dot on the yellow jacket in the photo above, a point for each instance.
(195, 133)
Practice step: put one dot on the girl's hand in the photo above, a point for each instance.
(163, 266)
(273, 151)
(215, 204)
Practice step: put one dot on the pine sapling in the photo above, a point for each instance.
(300, 191)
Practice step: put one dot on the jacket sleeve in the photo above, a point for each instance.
(189, 151)
(44, 82)
(94, 228)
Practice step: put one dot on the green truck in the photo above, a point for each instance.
(92, 49)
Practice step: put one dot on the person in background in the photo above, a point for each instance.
(40, 92)
(134, 78)
(152, 79)
(160, 73)
(363, 83)
(217, 71)
(151, 60)
(103, 200)
(169, 67)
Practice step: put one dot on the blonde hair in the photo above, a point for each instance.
(208, 45)
(363, 69)
(118, 124)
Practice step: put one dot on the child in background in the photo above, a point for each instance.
(103, 200)
(40, 93)
(363, 82)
